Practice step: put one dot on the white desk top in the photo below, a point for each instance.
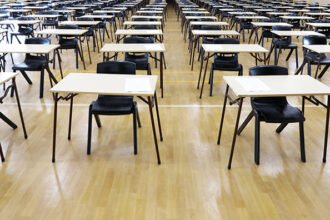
(81, 23)
(146, 16)
(295, 33)
(149, 12)
(272, 86)
(43, 16)
(72, 32)
(318, 13)
(104, 84)
(98, 16)
(270, 24)
(277, 13)
(195, 12)
(319, 24)
(152, 47)
(27, 48)
(27, 22)
(297, 17)
(3, 31)
(201, 17)
(107, 11)
(209, 23)
(142, 23)
(214, 32)
(318, 48)
(252, 17)
(64, 11)
(6, 76)
(234, 48)
(77, 8)
(138, 32)
(242, 13)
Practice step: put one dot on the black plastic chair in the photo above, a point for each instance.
(140, 59)
(91, 32)
(273, 110)
(23, 30)
(283, 43)
(50, 22)
(114, 105)
(70, 43)
(34, 63)
(225, 61)
(313, 58)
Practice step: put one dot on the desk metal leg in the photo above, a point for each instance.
(240, 103)
(54, 126)
(205, 69)
(153, 128)
(192, 56)
(223, 115)
(81, 53)
(70, 118)
(158, 119)
(326, 131)
(162, 73)
(19, 108)
(200, 71)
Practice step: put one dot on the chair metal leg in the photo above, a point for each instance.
(245, 123)
(1, 154)
(98, 121)
(257, 141)
(302, 142)
(26, 77)
(323, 71)
(280, 128)
(8, 121)
(89, 134)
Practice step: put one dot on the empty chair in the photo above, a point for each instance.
(313, 58)
(91, 32)
(23, 29)
(114, 105)
(283, 43)
(225, 61)
(68, 42)
(34, 62)
(273, 110)
(140, 59)
(50, 22)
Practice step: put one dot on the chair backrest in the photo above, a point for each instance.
(36, 40)
(138, 40)
(67, 26)
(313, 40)
(210, 27)
(145, 27)
(268, 70)
(282, 40)
(116, 67)
(226, 59)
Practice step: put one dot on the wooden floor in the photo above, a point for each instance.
(191, 183)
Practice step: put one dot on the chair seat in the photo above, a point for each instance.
(141, 61)
(274, 113)
(285, 45)
(31, 65)
(226, 63)
(68, 43)
(324, 61)
(113, 105)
